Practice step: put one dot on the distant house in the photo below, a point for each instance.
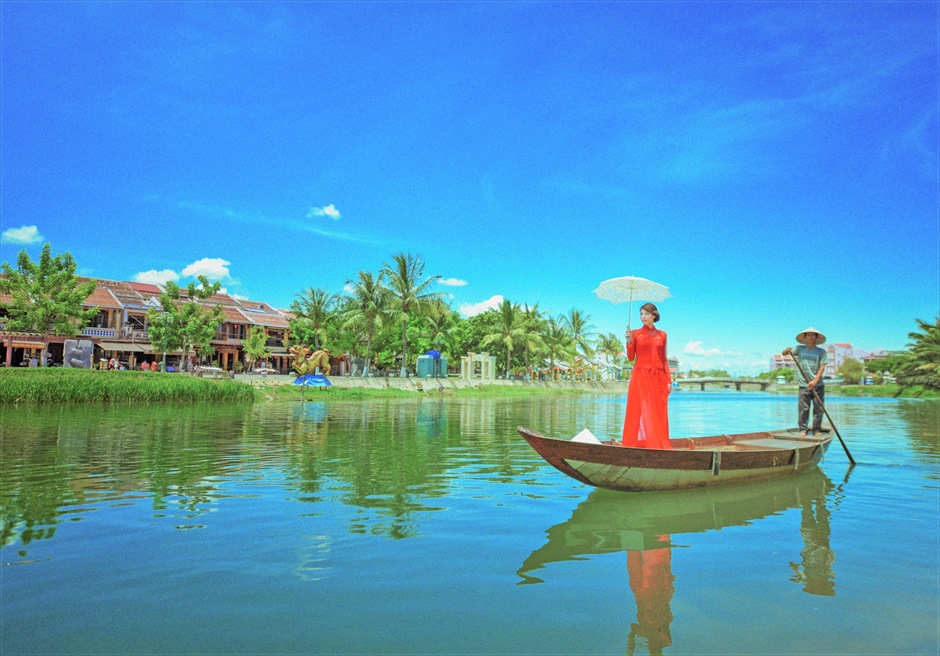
(121, 329)
(779, 361)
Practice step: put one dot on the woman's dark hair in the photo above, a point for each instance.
(649, 307)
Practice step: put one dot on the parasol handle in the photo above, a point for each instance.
(630, 311)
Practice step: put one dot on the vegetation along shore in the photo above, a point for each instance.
(58, 385)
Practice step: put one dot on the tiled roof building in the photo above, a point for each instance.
(121, 328)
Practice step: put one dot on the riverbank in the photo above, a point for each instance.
(57, 386)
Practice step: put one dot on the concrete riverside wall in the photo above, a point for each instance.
(418, 384)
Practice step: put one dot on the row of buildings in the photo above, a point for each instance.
(120, 330)
(837, 355)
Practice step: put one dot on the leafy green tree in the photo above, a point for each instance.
(510, 332)
(922, 364)
(255, 345)
(410, 293)
(186, 321)
(467, 334)
(851, 371)
(312, 315)
(366, 312)
(45, 296)
(892, 364)
(788, 375)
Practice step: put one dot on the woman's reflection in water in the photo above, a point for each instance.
(651, 580)
(609, 522)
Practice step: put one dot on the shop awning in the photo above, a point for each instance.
(121, 347)
(278, 350)
(23, 343)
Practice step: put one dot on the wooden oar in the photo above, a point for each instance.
(823, 406)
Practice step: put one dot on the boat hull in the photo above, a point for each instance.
(691, 463)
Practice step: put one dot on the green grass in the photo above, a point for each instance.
(59, 385)
(889, 390)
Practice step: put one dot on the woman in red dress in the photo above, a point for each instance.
(647, 422)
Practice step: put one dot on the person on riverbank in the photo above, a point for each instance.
(646, 423)
(812, 360)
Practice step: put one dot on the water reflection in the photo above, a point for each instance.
(391, 461)
(643, 525)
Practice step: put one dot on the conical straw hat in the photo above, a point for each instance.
(801, 338)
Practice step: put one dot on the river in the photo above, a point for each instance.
(428, 526)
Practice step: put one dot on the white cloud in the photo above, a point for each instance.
(22, 235)
(215, 269)
(695, 348)
(154, 277)
(330, 211)
(473, 309)
(452, 282)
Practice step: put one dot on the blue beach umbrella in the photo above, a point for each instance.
(311, 380)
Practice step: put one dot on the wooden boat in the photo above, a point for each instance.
(692, 462)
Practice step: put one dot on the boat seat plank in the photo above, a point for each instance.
(777, 443)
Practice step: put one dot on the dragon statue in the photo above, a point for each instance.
(307, 363)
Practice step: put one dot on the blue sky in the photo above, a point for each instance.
(774, 164)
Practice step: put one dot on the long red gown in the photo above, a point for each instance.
(647, 421)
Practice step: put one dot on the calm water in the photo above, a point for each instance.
(430, 527)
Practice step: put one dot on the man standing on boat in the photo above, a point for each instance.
(811, 359)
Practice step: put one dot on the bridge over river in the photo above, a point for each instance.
(737, 382)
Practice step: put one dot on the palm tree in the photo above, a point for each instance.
(611, 347)
(921, 365)
(580, 327)
(532, 325)
(367, 309)
(313, 313)
(558, 340)
(510, 332)
(409, 293)
(438, 321)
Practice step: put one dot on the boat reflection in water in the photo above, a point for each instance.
(643, 525)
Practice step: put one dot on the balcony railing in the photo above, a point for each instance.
(99, 332)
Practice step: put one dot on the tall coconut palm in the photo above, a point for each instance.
(410, 292)
(438, 320)
(558, 341)
(511, 330)
(312, 310)
(367, 309)
(532, 325)
(579, 324)
(611, 346)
